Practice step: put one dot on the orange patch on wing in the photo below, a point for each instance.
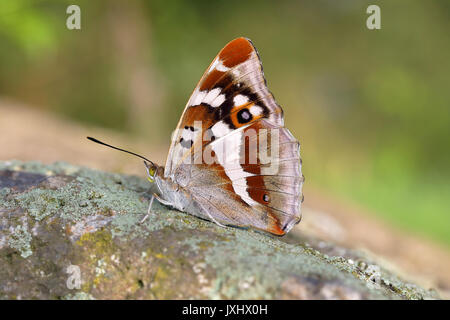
(274, 226)
(235, 111)
(197, 113)
(211, 79)
(221, 172)
(236, 52)
(256, 188)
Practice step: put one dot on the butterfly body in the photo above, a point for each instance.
(231, 159)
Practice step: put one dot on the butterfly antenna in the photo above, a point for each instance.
(123, 150)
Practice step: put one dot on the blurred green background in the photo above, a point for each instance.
(370, 107)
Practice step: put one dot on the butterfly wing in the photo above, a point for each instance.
(220, 150)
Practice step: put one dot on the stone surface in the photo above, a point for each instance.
(61, 223)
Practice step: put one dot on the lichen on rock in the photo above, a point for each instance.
(60, 215)
(20, 240)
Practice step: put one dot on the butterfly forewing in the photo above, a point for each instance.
(234, 81)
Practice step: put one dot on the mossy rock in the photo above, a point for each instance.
(61, 223)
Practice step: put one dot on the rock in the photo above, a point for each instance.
(70, 232)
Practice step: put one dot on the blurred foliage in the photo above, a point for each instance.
(371, 108)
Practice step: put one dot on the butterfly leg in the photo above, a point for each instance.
(164, 202)
(149, 210)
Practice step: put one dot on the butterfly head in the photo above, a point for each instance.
(151, 170)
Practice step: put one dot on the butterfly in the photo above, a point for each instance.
(231, 160)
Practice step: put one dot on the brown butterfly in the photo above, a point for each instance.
(231, 159)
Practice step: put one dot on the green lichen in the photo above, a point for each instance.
(78, 296)
(91, 192)
(20, 239)
(126, 224)
(256, 265)
(266, 278)
(4, 192)
(99, 243)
